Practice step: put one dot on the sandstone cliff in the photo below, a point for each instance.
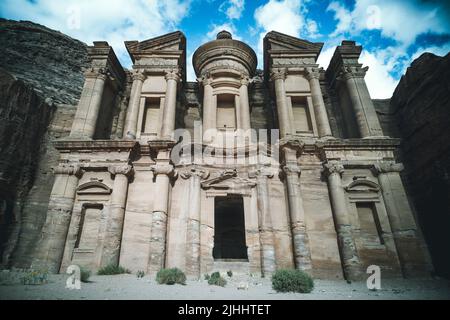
(46, 59)
(39, 88)
(421, 105)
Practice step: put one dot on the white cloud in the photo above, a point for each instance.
(233, 8)
(439, 51)
(216, 28)
(110, 20)
(282, 16)
(400, 20)
(325, 57)
(380, 82)
(312, 29)
(342, 15)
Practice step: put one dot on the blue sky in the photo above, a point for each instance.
(393, 33)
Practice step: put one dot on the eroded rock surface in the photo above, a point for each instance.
(421, 105)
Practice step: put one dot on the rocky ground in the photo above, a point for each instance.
(128, 286)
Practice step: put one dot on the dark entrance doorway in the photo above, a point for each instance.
(229, 228)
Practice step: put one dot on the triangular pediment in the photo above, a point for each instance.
(168, 42)
(278, 41)
(227, 179)
(171, 42)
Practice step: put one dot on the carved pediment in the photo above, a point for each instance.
(228, 179)
(278, 41)
(362, 185)
(93, 187)
(171, 42)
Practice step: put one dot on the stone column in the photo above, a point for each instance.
(244, 104)
(320, 111)
(265, 221)
(53, 239)
(302, 254)
(209, 114)
(365, 115)
(131, 122)
(170, 103)
(347, 247)
(162, 172)
(410, 249)
(114, 224)
(85, 121)
(278, 76)
(193, 227)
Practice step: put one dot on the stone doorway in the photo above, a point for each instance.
(229, 229)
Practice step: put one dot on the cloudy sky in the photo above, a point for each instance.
(392, 32)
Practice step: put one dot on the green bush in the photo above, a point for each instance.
(112, 269)
(217, 280)
(84, 274)
(140, 274)
(292, 281)
(207, 276)
(171, 276)
(35, 277)
(230, 273)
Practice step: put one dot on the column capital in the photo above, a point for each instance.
(199, 172)
(205, 79)
(291, 169)
(245, 81)
(278, 73)
(333, 167)
(385, 167)
(69, 169)
(96, 73)
(312, 73)
(172, 75)
(261, 172)
(349, 72)
(124, 169)
(163, 168)
(138, 75)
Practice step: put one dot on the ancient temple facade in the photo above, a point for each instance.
(245, 170)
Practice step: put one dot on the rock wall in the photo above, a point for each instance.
(46, 59)
(40, 87)
(421, 105)
(24, 118)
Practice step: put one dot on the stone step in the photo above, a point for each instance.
(237, 266)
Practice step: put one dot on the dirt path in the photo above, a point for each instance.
(130, 287)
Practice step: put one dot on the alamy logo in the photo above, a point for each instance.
(74, 281)
(374, 280)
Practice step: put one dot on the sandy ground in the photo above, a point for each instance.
(128, 286)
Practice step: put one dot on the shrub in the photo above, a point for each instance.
(84, 274)
(112, 269)
(207, 276)
(35, 277)
(230, 273)
(292, 281)
(171, 276)
(217, 280)
(140, 274)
